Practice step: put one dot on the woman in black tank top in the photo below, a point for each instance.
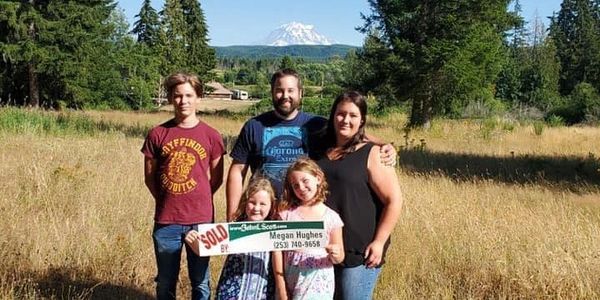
(365, 194)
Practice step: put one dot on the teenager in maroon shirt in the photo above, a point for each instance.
(183, 167)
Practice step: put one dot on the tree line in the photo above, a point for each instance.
(321, 77)
(318, 53)
(442, 57)
(437, 58)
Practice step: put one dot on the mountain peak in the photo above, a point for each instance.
(296, 26)
(296, 33)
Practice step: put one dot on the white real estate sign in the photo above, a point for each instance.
(240, 237)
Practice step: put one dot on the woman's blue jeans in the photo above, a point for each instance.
(356, 283)
(168, 243)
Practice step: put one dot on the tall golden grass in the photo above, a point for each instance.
(76, 217)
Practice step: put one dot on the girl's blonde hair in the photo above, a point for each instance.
(255, 185)
(306, 165)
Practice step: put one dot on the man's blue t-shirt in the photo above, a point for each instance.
(269, 144)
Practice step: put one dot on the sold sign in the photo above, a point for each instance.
(213, 236)
(241, 237)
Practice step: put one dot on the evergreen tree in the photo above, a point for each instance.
(366, 71)
(172, 38)
(424, 36)
(44, 47)
(287, 63)
(518, 33)
(530, 76)
(595, 68)
(124, 74)
(469, 75)
(575, 32)
(508, 86)
(83, 31)
(200, 56)
(8, 29)
(21, 49)
(540, 70)
(147, 26)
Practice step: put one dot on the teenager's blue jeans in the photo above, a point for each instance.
(168, 243)
(355, 283)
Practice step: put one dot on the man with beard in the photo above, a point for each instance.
(270, 142)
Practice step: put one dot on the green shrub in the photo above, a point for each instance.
(583, 105)
(262, 106)
(317, 106)
(487, 127)
(569, 113)
(310, 92)
(482, 109)
(331, 90)
(260, 91)
(555, 121)
(508, 125)
(538, 127)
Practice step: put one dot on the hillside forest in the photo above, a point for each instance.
(453, 59)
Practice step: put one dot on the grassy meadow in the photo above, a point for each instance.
(493, 208)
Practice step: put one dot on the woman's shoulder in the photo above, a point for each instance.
(374, 159)
(373, 148)
(366, 146)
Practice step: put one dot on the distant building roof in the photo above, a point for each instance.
(217, 89)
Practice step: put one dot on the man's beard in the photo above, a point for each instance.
(285, 111)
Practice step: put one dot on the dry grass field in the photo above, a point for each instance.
(492, 210)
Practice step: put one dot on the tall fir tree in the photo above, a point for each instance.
(172, 38)
(183, 39)
(45, 44)
(147, 25)
(596, 42)
(201, 57)
(468, 76)
(83, 32)
(508, 85)
(540, 70)
(575, 32)
(367, 69)
(21, 48)
(12, 88)
(287, 63)
(124, 72)
(518, 30)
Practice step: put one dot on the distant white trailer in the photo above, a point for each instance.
(240, 94)
(160, 101)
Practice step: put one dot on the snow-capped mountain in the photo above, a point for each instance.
(295, 33)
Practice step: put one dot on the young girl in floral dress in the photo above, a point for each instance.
(247, 275)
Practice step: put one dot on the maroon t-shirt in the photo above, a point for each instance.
(184, 156)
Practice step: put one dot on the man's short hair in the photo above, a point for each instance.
(285, 72)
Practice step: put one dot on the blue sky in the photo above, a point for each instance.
(243, 22)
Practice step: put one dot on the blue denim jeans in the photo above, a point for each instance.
(356, 283)
(168, 243)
